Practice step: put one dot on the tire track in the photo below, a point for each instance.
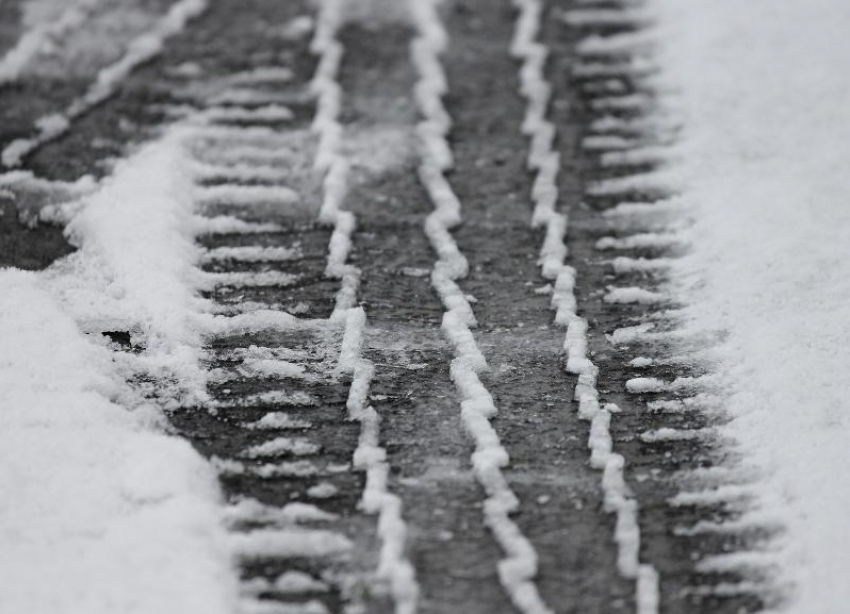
(630, 231)
(518, 568)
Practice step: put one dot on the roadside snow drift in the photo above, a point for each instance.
(763, 92)
(102, 512)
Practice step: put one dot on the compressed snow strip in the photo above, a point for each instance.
(633, 295)
(237, 153)
(249, 279)
(631, 68)
(635, 157)
(272, 398)
(519, 567)
(266, 113)
(246, 195)
(252, 511)
(260, 320)
(630, 334)
(670, 434)
(542, 159)
(288, 583)
(289, 543)
(227, 224)
(625, 44)
(674, 406)
(279, 421)
(324, 490)
(713, 496)
(652, 384)
(109, 514)
(727, 589)
(263, 75)
(393, 565)
(738, 562)
(624, 265)
(583, 18)
(606, 143)
(140, 50)
(245, 97)
(747, 522)
(242, 172)
(631, 102)
(281, 446)
(298, 469)
(37, 39)
(652, 182)
(252, 254)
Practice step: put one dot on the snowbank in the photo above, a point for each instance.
(100, 512)
(103, 512)
(763, 92)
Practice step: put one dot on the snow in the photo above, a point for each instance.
(141, 49)
(289, 542)
(546, 163)
(281, 446)
(765, 160)
(39, 36)
(105, 513)
(518, 568)
(393, 566)
(135, 267)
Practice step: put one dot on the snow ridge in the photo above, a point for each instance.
(369, 456)
(519, 567)
(140, 50)
(545, 162)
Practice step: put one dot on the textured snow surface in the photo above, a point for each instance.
(135, 269)
(763, 92)
(101, 513)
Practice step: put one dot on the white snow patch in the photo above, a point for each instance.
(105, 512)
(765, 159)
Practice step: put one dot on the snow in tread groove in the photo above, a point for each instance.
(545, 162)
(519, 567)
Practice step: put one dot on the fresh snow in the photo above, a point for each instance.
(763, 93)
(103, 513)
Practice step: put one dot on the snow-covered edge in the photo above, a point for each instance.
(545, 161)
(15, 61)
(519, 567)
(393, 566)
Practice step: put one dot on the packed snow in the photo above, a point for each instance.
(762, 91)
